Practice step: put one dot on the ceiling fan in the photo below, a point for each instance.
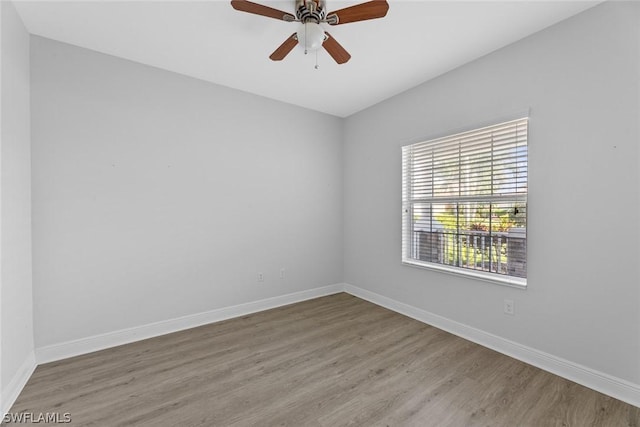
(312, 13)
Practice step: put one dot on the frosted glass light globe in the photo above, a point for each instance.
(311, 36)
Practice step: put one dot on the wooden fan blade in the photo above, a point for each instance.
(258, 9)
(335, 49)
(360, 12)
(285, 48)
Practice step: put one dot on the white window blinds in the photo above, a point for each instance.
(464, 202)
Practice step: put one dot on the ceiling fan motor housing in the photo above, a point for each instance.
(311, 10)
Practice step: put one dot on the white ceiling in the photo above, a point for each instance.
(415, 42)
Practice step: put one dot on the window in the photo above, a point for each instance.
(464, 203)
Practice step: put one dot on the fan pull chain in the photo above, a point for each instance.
(317, 66)
(305, 38)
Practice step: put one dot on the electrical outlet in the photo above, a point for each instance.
(260, 277)
(282, 273)
(509, 307)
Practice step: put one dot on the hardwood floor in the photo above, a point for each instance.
(331, 361)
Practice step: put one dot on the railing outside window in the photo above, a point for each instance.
(500, 253)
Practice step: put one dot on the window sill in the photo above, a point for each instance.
(513, 282)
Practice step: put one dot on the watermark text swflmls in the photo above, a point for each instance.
(37, 417)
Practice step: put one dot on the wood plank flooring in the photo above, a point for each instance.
(332, 361)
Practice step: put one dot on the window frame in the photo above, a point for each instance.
(408, 223)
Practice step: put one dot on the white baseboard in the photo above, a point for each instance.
(17, 383)
(86, 345)
(599, 381)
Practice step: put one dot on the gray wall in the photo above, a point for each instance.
(580, 80)
(16, 315)
(158, 195)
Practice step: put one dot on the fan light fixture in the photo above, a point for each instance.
(311, 36)
(312, 13)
